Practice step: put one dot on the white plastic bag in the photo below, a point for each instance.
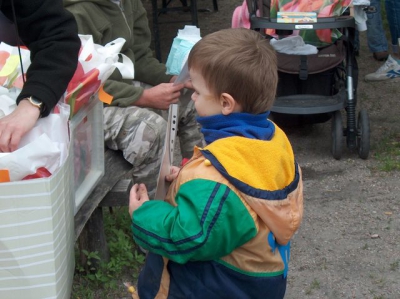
(360, 17)
(10, 67)
(96, 63)
(45, 146)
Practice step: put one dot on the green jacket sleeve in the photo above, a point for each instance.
(124, 93)
(208, 222)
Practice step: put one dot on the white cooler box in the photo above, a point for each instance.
(87, 134)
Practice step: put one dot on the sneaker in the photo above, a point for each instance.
(390, 70)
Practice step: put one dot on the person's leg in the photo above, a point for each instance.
(139, 133)
(376, 38)
(391, 68)
(393, 17)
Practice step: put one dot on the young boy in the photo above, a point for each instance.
(224, 228)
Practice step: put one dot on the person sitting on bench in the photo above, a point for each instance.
(133, 123)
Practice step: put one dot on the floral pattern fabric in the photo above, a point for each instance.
(323, 8)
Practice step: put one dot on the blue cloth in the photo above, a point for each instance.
(375, 34)
(393, 16)
(236, 124)
(376, 40)
(206, 280)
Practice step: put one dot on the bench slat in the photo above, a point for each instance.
(118, 195)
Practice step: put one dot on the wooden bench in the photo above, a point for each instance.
(112, 191)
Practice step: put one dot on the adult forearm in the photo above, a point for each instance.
(54, 47)
(124, 94)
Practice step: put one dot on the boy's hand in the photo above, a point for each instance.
(137, 197)
(173, 174)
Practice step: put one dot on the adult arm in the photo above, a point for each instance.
(50, 33)
(158, 97)
(147, 68)
(93, 19)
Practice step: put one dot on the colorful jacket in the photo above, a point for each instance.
(225, 226)
(50, 33)
(106, 21)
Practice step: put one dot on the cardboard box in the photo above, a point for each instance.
(87, 134)
(37, 236)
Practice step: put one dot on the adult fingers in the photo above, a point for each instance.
(5, 137)
(14, 140)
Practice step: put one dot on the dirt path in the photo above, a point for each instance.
(349, 243)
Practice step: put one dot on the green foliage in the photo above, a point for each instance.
(125, 261)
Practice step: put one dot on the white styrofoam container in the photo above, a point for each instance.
(87, 135)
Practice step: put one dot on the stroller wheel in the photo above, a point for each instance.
(337, 135)
(363, 134)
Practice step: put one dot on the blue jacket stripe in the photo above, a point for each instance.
(209, 202)
(165, 240)
(180, 242)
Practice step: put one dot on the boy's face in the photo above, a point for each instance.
(204, 101)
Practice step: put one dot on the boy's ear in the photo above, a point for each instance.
(228, 104)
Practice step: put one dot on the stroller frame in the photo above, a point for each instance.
(357, 132)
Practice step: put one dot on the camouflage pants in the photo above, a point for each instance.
(140, 133)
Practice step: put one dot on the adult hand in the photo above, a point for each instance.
(160, 96)
(173, 174)
(15, 125)
(137, 196)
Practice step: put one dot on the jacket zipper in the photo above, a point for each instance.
(121, 7)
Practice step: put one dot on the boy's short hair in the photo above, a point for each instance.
(239, 62)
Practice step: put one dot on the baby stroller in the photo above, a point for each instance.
(316, 87)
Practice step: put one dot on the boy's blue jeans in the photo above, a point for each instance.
(393, 17)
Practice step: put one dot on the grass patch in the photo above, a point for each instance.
(394, 266)
(315, 285)
(388, 152)
(125, 262)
